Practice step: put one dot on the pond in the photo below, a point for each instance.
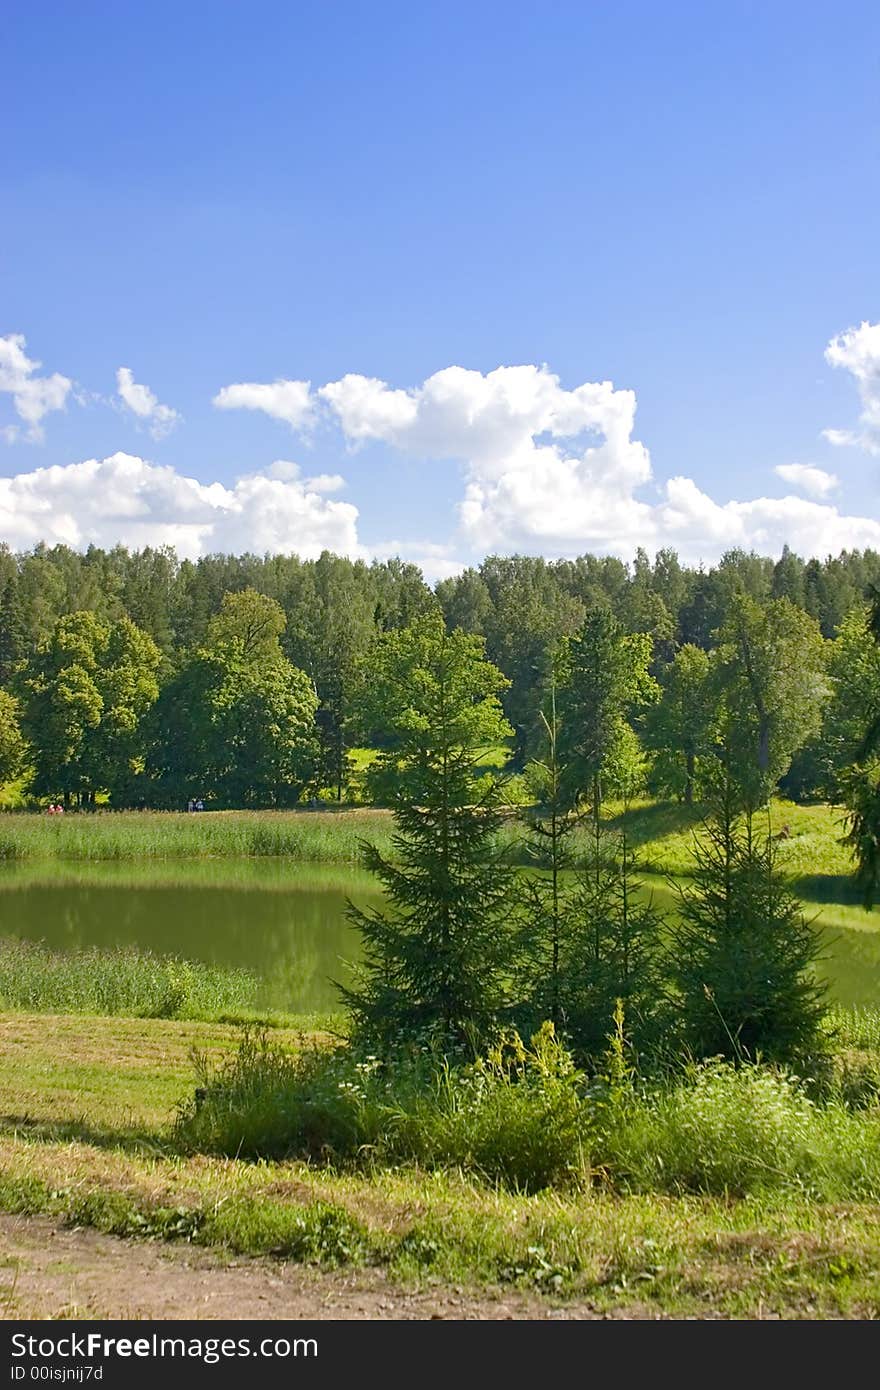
(286, 922)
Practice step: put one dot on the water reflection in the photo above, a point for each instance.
(286, 922)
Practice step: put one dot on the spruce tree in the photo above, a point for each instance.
(742, 950)
(437, 957)
(547, 929)
(615, 948)
(590, 937)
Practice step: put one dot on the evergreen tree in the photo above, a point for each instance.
(548, 922)
(614, 949)
(742, 951)
(437, 958)
(590, 938)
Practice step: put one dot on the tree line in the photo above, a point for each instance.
(247, 680)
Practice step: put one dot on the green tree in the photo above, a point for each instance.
(680, 727)
(743, 954)
(12, 745)
(333, 631)
(590, 938)
(605, 680)
(237, 723)
(530, 614)
(86, 692)
(548, 920)
(437, 958)
(772, 686)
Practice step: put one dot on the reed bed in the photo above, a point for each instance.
(329, 837)
(119, 982)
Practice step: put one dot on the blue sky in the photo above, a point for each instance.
(682, 200)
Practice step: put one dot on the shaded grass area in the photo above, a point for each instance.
(674, 1255)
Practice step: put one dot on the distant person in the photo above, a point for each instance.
(200, 805)
(190, 805)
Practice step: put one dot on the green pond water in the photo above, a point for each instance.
(286, 922)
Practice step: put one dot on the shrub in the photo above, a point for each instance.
(516, 1116)
(267, 1103)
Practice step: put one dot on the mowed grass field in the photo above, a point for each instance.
(85, 1124)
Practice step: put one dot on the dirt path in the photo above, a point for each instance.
(48, 1271)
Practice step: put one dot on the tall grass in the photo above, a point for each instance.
(130, 982)
(661, 833)
(318, 836)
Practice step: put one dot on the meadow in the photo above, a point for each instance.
(87, 1137)
(711, 1193)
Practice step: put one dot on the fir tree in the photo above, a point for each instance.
(615, 949)
(742, 950)
(437, 958)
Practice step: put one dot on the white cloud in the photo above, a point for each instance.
(125, 499)
(702, 529)
(289, 401)
(321, 482)
(33, 397)
(814, 481)
(524, 486)
(139, 399)
(558, 472)
(858, 350)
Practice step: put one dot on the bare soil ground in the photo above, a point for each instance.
(51, 1272)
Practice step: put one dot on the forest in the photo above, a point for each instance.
(141, 680)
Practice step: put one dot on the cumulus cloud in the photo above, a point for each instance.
(543, 465)
(139, 399)
(858, 350)
(814, 481)
(321, 482)
(702, 529)
(33, 397)
(126, 499)
(558, 471)
(289, 401)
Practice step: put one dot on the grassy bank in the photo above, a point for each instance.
(135, 983)
(661, 832)
(85, 1136)
(316, 836)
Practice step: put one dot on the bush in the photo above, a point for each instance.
(524, 1117)
(516, 1116)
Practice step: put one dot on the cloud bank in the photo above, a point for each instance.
(544, 469)
(125, 499)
